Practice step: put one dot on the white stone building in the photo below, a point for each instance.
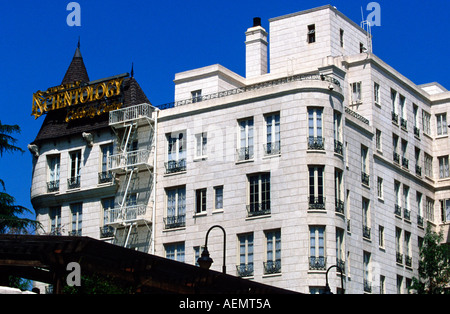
(322, 155)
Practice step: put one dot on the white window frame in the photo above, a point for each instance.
(273, 133)
(376, 93)
(444, 171)
(218, 198)
(76, 211)
(356, 92)
(176, 146)
(200, 201)
(441, 124)
(426, 122)
(175, 251)
(201, 145)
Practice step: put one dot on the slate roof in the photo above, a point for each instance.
(54, 125)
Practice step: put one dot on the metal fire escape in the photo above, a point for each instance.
(134, 167)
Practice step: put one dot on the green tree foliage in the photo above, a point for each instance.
(10, 220)
(99, 284)
(434, 266)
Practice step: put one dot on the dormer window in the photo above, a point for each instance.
(196, 96)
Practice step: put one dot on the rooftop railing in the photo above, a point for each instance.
(131, 113)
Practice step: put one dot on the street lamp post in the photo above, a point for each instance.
(205, 261)
(327, 286)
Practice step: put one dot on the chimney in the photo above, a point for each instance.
(256, 49)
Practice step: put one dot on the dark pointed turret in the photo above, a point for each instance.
(77, 70)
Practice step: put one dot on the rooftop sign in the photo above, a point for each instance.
(81, 99)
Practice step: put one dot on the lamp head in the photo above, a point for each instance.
(205, 261)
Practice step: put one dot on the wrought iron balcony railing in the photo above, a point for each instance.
(367, 286)
(405, 162)
(418, 170)
(105, 177)
(272, 267)
(394, 117)
(420, 221)
(106, 232)
(366, 232)
(74, 182)
(365, 178)
(316, 202)
(399, 257)
(177, 221)
(244, 270)
(408, 261)
(396, 158)
(75, 233)
(403, 123)
(316, 143)
(174, 166)
(339, 206)
(317, 263)
(245, 153)
(53, 186)
(398, 210)
(272, 148)
(406, 214)
(338, 147)
(416, 132)
(258, 209)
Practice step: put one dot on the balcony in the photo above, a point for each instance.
(365, 178)
(316, 143)
(339, 206)
(419, 170)
(417, 132)
(73, 183)
(272, 149)
(403, 124)
(317, 263)
(399, 258)
(408, 261)
(105, 177)
(367, 286)
(175, 166)
(245, 153)
(245, 270)
(106, 232)
(406, 214)
(272, 267)
(139, 112)
(53, 186)
(405, 162)
(398, 210)
(125, 214)
(134, 159)
(316, 202)
(338, 147)
(394, 117)
(258, 209)
(366, 232)
(420, 221)
(396, 158)
(172, 222)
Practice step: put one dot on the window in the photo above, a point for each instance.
(399, 284)
(338, 147)
(74, 170)
(77, 219)
(367, 272)
(54, 166)
(394, 100)
(196, 96)
(200, 201)
(419, 209)
(272, 264)
(272, 146)
(245, 266)
(417, 157)
(376, 94)
(339, 193)
(407, 249)
(398, 245)
(429, 209)
(259, 194)
(316, 189)
(246, 138)
(395, 148)
(405, 160)
(416, 121)
(362, 48)
(381, 236)
(176, 208)
(365, 179)
(366, 218)
(55, 220)
(105, 175)
(197, 254)
(175, 251)
(382, 284)
(176, 152)
(380, 187)
(201, 145)
(441, 123)
(315, 139)
(341, 37)
(340, 249)
(218, 197)
(108, 217)
(406, 210)
(356, 92)
(378, 139)
(445, 210)
(317, 260)
(443, 167)
(428, 163)
(311, 33)
(398, 208)
(403, 115)
(426, 122)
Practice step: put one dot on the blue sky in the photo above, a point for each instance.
(166, 37)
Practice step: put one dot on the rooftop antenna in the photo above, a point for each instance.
(366, 26)
(132, 69)
(78, 42)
